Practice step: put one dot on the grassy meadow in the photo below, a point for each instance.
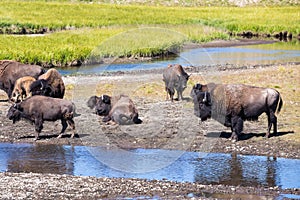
(79, 30)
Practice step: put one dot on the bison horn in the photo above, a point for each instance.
(102, 97)
(205, 97)
(42, 86)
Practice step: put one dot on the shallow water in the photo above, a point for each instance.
(212, 168)
(238, 55)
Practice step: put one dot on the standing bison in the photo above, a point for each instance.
(119, 109)
(49, 84)
(175, 78)
(10, 71)
(22, 88)
(38, 109)
(232, 104)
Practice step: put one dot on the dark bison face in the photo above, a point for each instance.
(14, 114)
(101, 104)
(41, 87)
(183, 81)
(196, 88)
(202, 105)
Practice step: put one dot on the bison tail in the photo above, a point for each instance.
(75, 114)
(279, 106)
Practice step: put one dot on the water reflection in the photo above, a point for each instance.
(213, 168)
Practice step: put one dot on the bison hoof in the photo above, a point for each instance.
(59, 136)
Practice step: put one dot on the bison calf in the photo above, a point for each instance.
(38, 109)
(10, 71)
(232, 104)
(175, 78)
(22, 88)
(119, 109)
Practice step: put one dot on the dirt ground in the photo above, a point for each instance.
(166, 125)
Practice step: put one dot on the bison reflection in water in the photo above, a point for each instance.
(232, 104)
(38, 109)
(119, 109)
(175, 78)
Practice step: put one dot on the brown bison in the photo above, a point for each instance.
(38, 109)
(119, 109)
(22, 88)
(10, 71)
(175, 78)
(49, 84)
(232, 104)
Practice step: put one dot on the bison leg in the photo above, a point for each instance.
(106, 118)
(72, 124)
(64, 127)
(236, 127)
(171, 93)
(272, 119)
(38, 128)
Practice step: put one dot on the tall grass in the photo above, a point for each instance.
(93, 44)
(65, 15)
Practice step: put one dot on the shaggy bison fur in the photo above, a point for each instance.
(232, 104)
(38, 109)
(119, 109)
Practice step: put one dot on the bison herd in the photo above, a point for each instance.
(37, 96)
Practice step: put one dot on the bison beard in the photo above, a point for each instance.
(232, 104)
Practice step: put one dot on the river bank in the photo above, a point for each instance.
(169, 125)
(165, 125)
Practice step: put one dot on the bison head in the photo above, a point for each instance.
(16, 95)
(183, 80)
(202, 104)
(14, 113)
(41, 87)
(101, 104)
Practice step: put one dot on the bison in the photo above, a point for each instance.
(38, 109)
(120, 109)
(10, 71)
(175, 78)
(232, 104)
(49, 84)
(22, 88)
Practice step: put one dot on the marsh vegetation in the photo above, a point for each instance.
(70, 30)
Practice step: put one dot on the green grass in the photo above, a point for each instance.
(81, 28)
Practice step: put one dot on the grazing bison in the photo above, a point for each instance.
(22, 88)
(232, 104)
(175, 78)
(38, 109)
(49, 84)
(10, 71)
(119, 109)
